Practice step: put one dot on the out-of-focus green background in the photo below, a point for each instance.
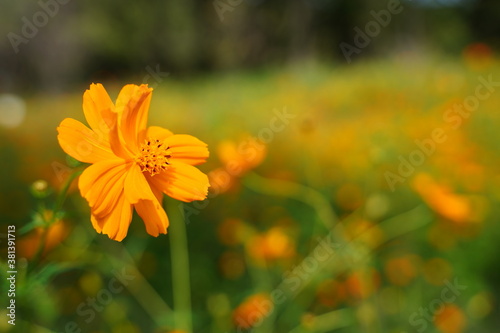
(369, 201)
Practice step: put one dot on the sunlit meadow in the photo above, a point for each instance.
(342, 199)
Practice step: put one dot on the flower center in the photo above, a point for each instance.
(154, 156)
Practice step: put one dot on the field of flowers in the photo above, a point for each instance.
(361, 198)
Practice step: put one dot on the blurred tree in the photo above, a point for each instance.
(82, 41)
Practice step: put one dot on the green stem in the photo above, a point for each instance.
(64, 191)
(53, 218)
(305, 194)
(139, 287)
(302, 193)
(41, 247)
(328, 322)
(261, 281)
(394, 227)
(180, 267)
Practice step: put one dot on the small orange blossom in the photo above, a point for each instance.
(252, 311)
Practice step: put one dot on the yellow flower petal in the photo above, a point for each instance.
(243, 156)
(147, 201)
(136, 186)
(154, 216)
(132, 106)
(98, 108)
(81, 143)
(107, 191)
(101, 183)
(97, 223)
(187, 149)
(116, 144)
(182, 182)
(115, 224)
(157, 132)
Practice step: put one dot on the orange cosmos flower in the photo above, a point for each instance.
(331, 292)
(252, 311)
(238, 159)
(401, 271)
(27, 246)
(132, 165)
(362, 283)
(451, 319)
(457, 208)
(273, 245)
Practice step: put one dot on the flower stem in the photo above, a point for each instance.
(62, 195)
(330, 321)
(54, 216)
(179, 255)
(299, 192)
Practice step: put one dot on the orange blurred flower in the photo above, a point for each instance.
(252, 311)
(450, 319)
(349, 197)
(331, 293)
(272, 245)
(233, 232)
(442, 200)
(237, 160)
(132, 165)
(362, 283)
(481, 305)
(402, 270)
(232, 265)
(243, 157)
(220, 180)
(440, 237)
(364, 232)
(28, 246)
(478, 56)
(437, 271)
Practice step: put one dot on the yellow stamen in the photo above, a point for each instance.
(154, 156)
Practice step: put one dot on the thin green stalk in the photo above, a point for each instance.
(328, 322)
(394, 227)
(295, 191)
(54, 216)
(261, 281)
(41, 247)
(305, 194)
(180, 267)
(64, 191)
(139, 287)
